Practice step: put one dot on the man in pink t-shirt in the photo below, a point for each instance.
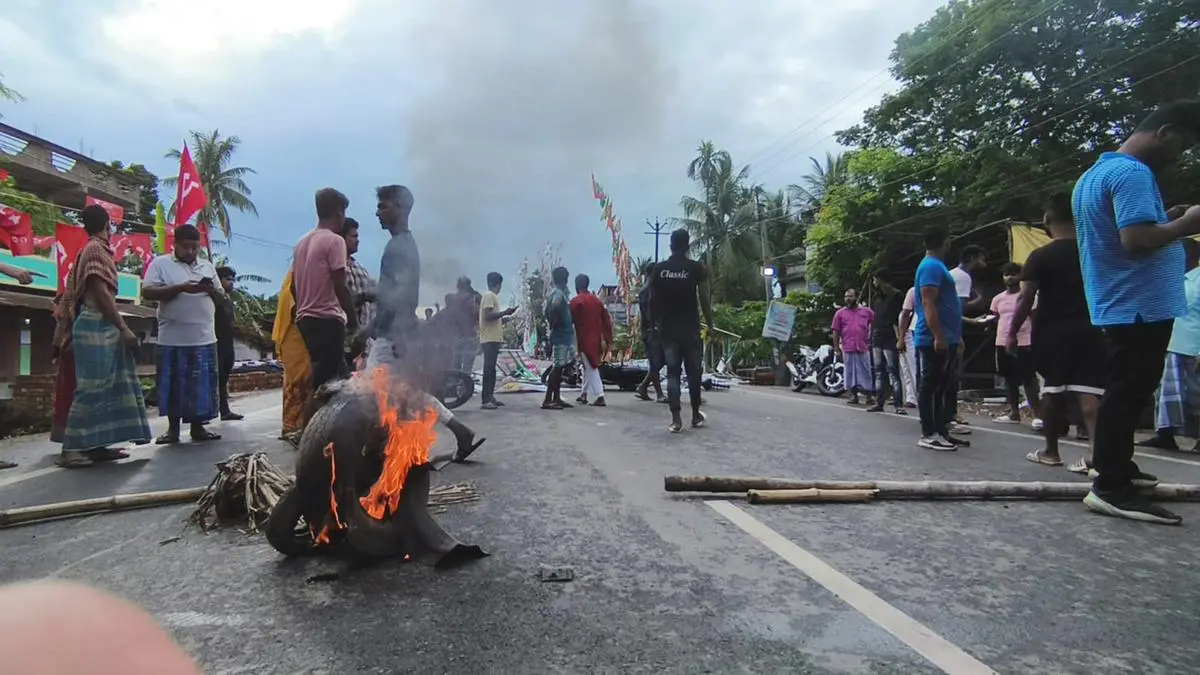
(851, 332)
(324, 306)
(1016, 366)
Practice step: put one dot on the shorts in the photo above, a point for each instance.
(564, 355)
(1017, 366)
(1070, 358)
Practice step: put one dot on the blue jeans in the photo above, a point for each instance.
(887, 376)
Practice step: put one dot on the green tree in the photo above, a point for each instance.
(44, 215)
(224, 185)
(812, 188)
(143, 218)
(9, 94)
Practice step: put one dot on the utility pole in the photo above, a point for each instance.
(762, 238)
(655, 229)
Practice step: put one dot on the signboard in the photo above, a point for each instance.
(780, 319)
(128, 285)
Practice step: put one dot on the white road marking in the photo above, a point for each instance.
(20, 477)
(808, 399)
(197, 619)
(937, 650)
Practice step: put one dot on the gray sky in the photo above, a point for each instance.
(494, 113)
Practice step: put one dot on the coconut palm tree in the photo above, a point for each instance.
(9, 94)
(814, 186)
(224, 185)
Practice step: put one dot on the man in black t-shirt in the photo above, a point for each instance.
(884, 351)
(224, 326)
(674, 286)
(1068, 351)
(650, 340)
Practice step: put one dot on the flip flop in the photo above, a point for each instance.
(459, 459)
(1038, 458)
(206, 436)
(7, 465)
(1079, 466)
(643, 397)
(75, 462)
(167, 439)
(106, 454)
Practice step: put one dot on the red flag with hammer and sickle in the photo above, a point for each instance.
(189, 197)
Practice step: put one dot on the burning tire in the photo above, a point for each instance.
(362, 481)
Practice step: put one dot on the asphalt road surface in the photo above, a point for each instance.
(663, 583)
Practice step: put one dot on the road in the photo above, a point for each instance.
(664, 583)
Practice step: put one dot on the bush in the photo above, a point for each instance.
(814, 314)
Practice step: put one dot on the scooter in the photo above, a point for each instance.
(819, 368)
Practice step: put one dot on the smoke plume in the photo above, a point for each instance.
(530, 96)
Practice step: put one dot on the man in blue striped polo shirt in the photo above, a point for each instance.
(1133, 268)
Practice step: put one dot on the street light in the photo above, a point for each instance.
(768, 271)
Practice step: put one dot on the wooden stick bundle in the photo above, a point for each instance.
(929, 490)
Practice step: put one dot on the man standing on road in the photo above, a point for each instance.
(676, 284)
(593, 334)
(973, 259)
(937, 338)
(1133, 272)
(1014, 365)
(904, 344)
(650, 341)
(324, 307)
(362, 290)
(225, 316)
(851, 342)
(463, 306)
(1178, 407)
(106, 406)
(885, 351)
(395, 329)
(491, 337)
(185, 286)
(562, 338)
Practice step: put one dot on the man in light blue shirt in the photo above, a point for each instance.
(1133, 267)
(1178, 407)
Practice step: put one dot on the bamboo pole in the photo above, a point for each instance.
(945, 490)
(809, 496)
(83, 507)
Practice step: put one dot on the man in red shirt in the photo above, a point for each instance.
(593, 333)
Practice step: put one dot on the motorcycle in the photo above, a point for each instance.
(819, 368)
(457, 388)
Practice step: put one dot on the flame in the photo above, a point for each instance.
(323, 536)
(407, 446)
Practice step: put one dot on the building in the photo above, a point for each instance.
(614, 304)
(65, 178)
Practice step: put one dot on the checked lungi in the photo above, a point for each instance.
(187, 383)
(107, 405)
(1177, 407)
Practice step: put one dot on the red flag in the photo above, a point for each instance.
(138, 244)
(70, 241)
(116, 213)
(16, 230)
(43, 243)
(189, 198)
(3, 175)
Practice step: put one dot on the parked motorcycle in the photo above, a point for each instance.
(819, 368)
(457, 388)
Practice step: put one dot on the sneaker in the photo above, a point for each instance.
(498, 404)
(936, 443)
(1129, 504)
(1006, 419)
(875, 408)
(698, 419)
(956, 441)
(1038, 425)
(488, 406)
(900, 410)
(959, 428)
(1140, 479)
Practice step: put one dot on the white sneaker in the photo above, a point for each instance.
(959, 429)
(936, 442)
(1038, 424)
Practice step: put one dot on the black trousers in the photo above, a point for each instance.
(224, 366)
(325, 340)
(491, 351)
(937, 393)
(1135, 354)
(682, 353)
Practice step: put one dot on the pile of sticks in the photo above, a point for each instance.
(441, 496)
(791, 491)
(247, 486)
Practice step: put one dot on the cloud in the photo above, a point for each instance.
(494, 113)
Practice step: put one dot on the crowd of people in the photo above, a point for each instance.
(1096, 319)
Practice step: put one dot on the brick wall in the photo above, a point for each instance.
(33, 395)
(255, 381)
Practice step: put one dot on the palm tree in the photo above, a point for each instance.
(223, 185)
(9, 94)
(814, 186)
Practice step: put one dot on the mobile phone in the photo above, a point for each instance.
(206, 281)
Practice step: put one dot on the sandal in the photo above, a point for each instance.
(643, 396)
(1038, 458)
(1080, 465)
(7, 465)
(552, 406)
(72, 459)
(106, 454)
(167, 439)
(205, 435)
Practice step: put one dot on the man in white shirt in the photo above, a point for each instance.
(972, 259)
(184, 285)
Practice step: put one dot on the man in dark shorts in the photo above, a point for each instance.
(650, 341)
(676, 285)
(1014, 365)
(324, 307)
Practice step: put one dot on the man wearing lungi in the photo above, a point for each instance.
(1177, 409)
(184, 285)
(851, 329)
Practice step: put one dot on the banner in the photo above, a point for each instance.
(69, 241)
(116, 214)
(779, 321)
(16, 230)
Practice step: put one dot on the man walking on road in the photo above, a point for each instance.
(1068, 351)
(676, 285)
(937, 338)
(1133, 272)
(185, 286)
(395, 330)
(324, 308)
(885, 351)
(562, 338)
(593, 334)
(851, 342)
(225, 316)
(650, 341)
(491, 337)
